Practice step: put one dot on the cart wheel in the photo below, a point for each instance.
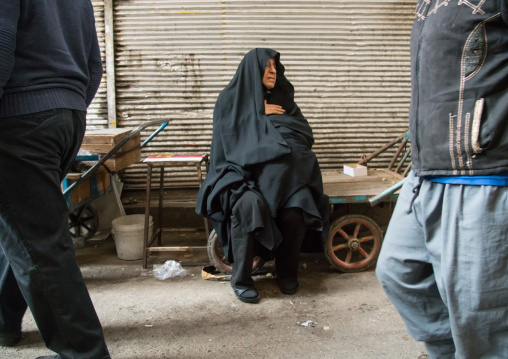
(354, 243)
(218, 258)
(83, 222)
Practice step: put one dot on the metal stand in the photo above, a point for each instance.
(161, 162)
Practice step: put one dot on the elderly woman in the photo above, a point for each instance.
(263, 191)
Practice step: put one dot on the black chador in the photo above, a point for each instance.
(262, 168)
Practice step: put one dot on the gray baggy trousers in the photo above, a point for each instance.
(444, 265)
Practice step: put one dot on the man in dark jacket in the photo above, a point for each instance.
(50, 70)
(444, 261)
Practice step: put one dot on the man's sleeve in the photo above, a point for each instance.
(95, 70)
(9, 16)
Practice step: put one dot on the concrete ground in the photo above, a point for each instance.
(333, 315)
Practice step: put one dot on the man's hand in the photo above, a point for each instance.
(270, 109)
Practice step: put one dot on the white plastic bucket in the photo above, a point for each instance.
(129, 233)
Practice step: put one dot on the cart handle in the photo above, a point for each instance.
(156, 132)
(102, 160)
(376, 199)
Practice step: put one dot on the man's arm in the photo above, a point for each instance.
(9, 16)
(95, 70)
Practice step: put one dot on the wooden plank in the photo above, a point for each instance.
(108, 135)
(84, 190)
(342, 188)
(103, 141)
(177, 159)
(116, 164)
(154, 202)
(373, 175)
(165, 158)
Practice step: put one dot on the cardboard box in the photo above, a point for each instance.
(103, 141)
(90, 187)
(355, 170)
(118, 163)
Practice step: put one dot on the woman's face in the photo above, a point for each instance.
(270, 75)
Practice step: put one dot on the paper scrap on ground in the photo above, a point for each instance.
(308, 323)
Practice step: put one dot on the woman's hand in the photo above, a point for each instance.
(273, 109)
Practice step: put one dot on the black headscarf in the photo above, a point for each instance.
(253, 151)
(240, 110)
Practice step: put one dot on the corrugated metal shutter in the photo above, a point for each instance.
(97, 116)
(347, 59)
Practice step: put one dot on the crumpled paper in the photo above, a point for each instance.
(308, 323)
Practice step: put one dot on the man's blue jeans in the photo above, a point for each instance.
(37, 260)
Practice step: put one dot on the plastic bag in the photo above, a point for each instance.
(169, 269)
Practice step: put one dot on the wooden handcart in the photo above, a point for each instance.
(355, 238)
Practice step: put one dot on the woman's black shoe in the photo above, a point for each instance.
(288, 287)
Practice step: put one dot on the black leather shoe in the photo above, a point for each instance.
(10, 339)
(246, 295)
(287, 287)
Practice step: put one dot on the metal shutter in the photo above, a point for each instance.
(348, 61)
(97, 116)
